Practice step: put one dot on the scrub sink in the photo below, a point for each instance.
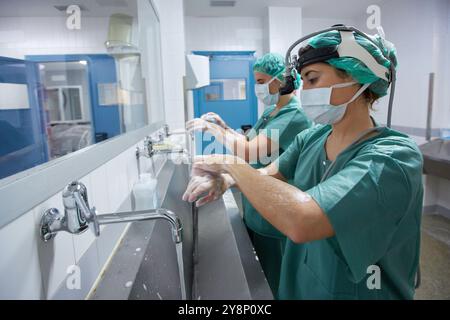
(218, 259)
(436, 156)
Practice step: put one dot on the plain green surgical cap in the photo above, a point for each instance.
(354, 67)
(272, 64)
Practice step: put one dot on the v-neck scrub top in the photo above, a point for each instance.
(372, 196)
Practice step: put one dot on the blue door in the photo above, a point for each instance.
(102, 70)
(23, 144)
(230, 93)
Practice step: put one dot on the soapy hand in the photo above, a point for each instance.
(208, 178)
(212, 186)
(214, 118)
(199, 124)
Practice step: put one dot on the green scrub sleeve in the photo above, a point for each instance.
(287, 162)
(364, 202)
(285, 127)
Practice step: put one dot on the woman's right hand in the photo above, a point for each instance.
(214, 186)
(203, 182)
(215, 119)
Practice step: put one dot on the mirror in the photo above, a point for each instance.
(71, 78)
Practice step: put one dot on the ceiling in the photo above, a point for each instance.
(46, 8)
(257, 8)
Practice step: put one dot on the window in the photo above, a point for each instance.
(226, 89)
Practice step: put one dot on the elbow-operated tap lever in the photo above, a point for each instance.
(78, 217)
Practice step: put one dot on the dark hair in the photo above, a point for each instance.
(368, 94)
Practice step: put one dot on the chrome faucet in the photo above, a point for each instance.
(78, 217)
(154, 146)
(168, 133)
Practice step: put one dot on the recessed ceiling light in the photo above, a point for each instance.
(222, 3)
(112, 3)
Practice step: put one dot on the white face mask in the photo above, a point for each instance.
(263, 93)
(317, 103)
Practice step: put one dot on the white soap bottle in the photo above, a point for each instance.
(144, 192)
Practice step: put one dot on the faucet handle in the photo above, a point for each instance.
(94, 225)
(77, 216)
(51, 222)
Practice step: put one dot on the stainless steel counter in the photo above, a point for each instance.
(219, 259)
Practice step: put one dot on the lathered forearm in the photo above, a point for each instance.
(286, 207)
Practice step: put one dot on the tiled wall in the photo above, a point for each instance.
(224, 34)
(32, 269)
(285, 27)
(171, 16)
(30, 36)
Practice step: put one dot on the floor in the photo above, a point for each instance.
(435, 258)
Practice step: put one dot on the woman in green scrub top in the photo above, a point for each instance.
(281, 121)
(346, 193)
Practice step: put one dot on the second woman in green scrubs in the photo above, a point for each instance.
(281, 121)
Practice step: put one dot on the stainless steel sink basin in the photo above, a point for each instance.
(436, 155)
(217, 253)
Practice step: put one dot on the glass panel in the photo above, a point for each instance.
(226, 89)
(67, 84)
(151, 59)
(72, 103)
(51, 104)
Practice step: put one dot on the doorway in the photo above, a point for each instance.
(230, 93)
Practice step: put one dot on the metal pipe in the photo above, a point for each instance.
(145, 215)
(430, 105)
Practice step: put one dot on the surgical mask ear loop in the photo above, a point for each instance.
(357, 94)
(343, 85)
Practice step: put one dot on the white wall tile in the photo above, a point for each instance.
(131, 167)
(20, 272)
(90, 39)
(116, 177)
(224, 33)
(173, 50)
(280, 20)
(56, 255)
(99, 190)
